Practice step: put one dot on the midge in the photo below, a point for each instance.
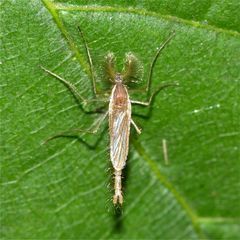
(119, 110)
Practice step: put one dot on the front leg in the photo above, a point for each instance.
(153, 95)
(73, 89)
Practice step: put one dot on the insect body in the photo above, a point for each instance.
(119, 111)
(119, 129)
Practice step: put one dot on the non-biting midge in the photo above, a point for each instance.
(119, 110)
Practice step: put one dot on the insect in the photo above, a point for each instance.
(119, 110)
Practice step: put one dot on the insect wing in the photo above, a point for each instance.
(119, 127)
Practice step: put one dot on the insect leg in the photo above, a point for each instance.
(72, 88)
(92, 129)
(136, 127)
(162, 46)
(149, 101)
(89, 61)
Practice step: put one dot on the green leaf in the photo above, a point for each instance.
(61, 190)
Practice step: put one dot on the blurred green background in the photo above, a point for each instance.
(63, 190)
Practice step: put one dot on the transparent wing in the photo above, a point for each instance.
(119, 138)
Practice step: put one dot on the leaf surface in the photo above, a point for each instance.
(61, 190)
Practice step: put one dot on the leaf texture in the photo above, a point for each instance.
(61, 190)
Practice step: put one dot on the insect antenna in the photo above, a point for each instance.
(133, 69)
(109, 67)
